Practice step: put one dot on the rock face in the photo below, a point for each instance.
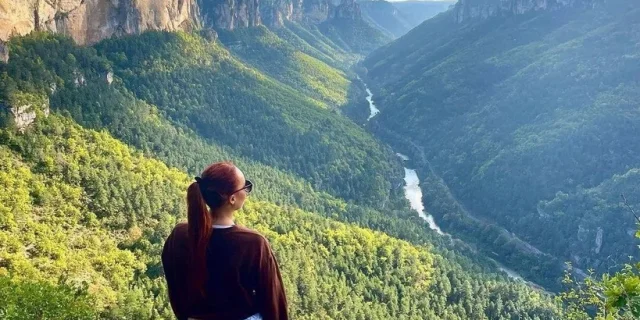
(230, 14)
(599, 240)
(348, 9)
(89, 21)
(276, 12)
(316, 11)
(483, 9)
(25, 115)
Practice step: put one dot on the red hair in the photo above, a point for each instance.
(215, 182)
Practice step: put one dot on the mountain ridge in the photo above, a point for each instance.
(483, 9)
(90, 21)
(522, 116)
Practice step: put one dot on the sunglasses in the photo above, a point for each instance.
(248, 187)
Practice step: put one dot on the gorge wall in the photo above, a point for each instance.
(483, 9)
(89, 21)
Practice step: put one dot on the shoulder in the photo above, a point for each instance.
(179, 235)
(250, 235)
(176, 243)
(181, 230)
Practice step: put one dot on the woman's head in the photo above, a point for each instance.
(223, 188)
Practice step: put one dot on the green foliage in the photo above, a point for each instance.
(85, 208)
(308, 39)
(226, 102)
(82, 207)
(265, 51)
(521, 119)
(256, 117)
(96, 105)
(385, 17)
(41, 300)
(354, 35)
(613, 296)
(76, 204)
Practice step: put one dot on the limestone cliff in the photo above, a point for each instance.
(89, 21)
(348, 9)
(230, 14)
(276, 12)
(482, 9)
(316, 11)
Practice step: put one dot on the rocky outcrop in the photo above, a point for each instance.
(316, 11)
(483, 9)
(348, 9)
(230, 14)
(276, 12)
(89, 21)
(599, 235)
(25, 115)
(109, 77)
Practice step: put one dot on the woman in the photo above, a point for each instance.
(215, 269)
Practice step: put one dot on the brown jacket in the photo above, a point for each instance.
(243, 277)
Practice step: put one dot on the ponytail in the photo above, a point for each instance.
(218, 179)
(199, 221)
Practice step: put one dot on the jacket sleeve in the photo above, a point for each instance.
(176, 286)
(271, 299)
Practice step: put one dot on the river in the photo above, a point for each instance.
(413, 192)
(373, 110)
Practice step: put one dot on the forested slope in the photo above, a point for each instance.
(93, 189)
(524, 122)
(198, 86)
(266, 51)
(83, 210)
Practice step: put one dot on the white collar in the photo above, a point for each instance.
(221, 226)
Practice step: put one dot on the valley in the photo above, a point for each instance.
(504, 130)
(413, 193)
(412, 160)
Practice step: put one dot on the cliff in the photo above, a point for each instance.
(483, 9)
(89, 21)
(230, 14)
(276, 12)
(348, 9)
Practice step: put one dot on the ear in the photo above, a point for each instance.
(232, 200)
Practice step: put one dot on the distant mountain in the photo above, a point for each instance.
(347, 28)
(386, 17)
(524, 115)
(416, 12)
(397, 18)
